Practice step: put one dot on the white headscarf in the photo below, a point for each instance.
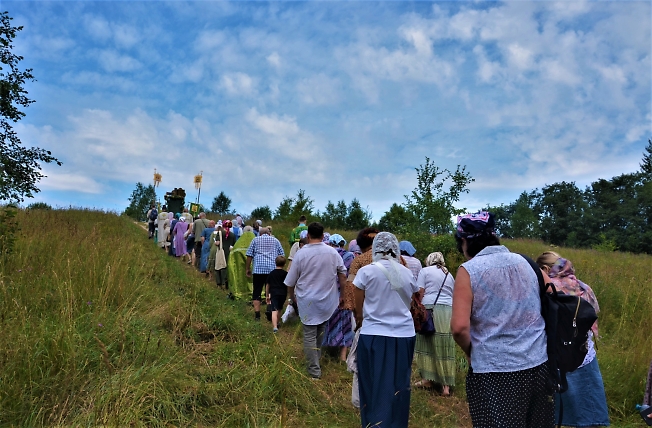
(385, 247)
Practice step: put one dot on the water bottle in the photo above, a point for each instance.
(645, 412)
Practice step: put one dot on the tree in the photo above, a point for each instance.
(646, 165)
(397, 219)
(432, 204)
(290, 209)
(357, 218)
(221, 204)
(560, 207)
(261, 213)
(20, 167)
(284, 210)
(140, 200)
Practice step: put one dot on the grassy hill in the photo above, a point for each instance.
(100, 327)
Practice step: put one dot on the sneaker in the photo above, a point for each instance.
(275, 330)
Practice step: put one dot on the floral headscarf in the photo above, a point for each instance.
(385, 246)
(562, 274)
(473, 225)
(436, 259)
(327, 236)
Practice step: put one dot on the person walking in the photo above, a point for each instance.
(262, 251)
(313, 283)
(496, 320)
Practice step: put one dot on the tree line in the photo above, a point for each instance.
(614, 214)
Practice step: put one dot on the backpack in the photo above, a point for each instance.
(568, 321)
(153, 215)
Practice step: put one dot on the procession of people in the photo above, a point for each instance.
(358, 302)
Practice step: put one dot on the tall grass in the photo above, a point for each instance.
(100, 327)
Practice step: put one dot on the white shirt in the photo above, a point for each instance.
(293, 250)
(431, 279)
(384, 312)
(313, 275)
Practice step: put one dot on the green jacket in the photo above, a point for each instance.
(294, 236)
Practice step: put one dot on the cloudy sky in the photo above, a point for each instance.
(342, 99)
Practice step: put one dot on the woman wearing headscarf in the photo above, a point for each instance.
(339, 328)
(174, 219)
(385, 347)
(179, 240)
(224, 242)
(205, 239)
(435, 354)
(162, 234)
(497, 322)
(584, 403)
(239, 284)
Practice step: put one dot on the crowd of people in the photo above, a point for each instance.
(357, 299)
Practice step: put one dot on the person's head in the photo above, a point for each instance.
(326, 238)
(263, 231)
(247, 229)
(177, 215)
(385, 246)
(303, 234)
(303, 241)
(202, 215)
(227, 224)
(302, 219)
(211, 223)
(269, 230)
(182, 219)
(366, 237)
(185, 210)
(315, 231)
(475, 232)
(152, 206)
(547, 261)
(280, 261)
(436, 259)
(407, 249)
(337, 240)
(219, 224)
(164, 208)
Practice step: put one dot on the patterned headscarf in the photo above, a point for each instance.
(407, 247)
(327, 236)
(336, 239)
(182, 219)
(385, 247)
(227, 225)
(436, 259)
(562, 274)
(303, 234)
(473, 225)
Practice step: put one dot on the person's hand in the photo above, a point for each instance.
(248, 273)
(268, 299)
(358, 323)
(341, 303)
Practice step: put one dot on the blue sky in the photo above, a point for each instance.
(342, 99)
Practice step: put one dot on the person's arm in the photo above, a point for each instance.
(248, 265)
(359, 302)
(342, 279)
(462, 304)
(268, 297)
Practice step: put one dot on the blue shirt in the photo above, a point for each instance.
(264, 250)
(507, 329)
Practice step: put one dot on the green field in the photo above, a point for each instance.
(100, 327)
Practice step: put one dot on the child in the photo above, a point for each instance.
(276, 291)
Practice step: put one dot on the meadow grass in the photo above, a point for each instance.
(100, 327)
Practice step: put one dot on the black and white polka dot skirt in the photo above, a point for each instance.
(521, 399)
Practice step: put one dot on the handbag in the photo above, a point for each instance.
(429, 311)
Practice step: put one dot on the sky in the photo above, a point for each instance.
(341, 99)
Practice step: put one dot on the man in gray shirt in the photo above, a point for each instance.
(313, 281)
(197, 228)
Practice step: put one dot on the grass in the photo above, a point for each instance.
(100, 327)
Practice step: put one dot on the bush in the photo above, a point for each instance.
(39, 206)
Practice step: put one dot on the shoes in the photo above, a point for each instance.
(423, 384)
(275, 330)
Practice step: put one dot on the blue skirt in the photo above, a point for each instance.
(585, 403)
(384, 370)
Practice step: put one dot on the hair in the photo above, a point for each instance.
(280, 261)
(164, 208)
(302, 218)
(212, 222)
(263, 230)
(315, 230)
(303, 241)
(547, 259)
(341, 244)
(247, 229)
(364, 240)
(269, 229)
(477, 244)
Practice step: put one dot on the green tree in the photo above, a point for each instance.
(290, 209)
(221, 204)
(284, 210)
(646, 164)
(397, 219)
(357, 217)
(139, 201)
(561, 207)
(432, 201)
(20, 167)
(261, 213)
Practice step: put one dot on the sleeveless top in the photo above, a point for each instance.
(507, 329)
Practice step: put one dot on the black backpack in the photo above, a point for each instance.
(153, 215)
(568, 321)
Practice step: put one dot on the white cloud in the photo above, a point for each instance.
(319, 90)
(56, 180)
(111, 60)
(238, 84)
(274, 59)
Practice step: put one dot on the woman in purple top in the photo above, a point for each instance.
(179, 240)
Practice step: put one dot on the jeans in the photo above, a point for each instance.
(313, 336)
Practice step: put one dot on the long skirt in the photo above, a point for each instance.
(647, 399)
(205, 252)
(384, 368)
(339, 331)
(584, 403)
(435, 354)
(511, 399)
